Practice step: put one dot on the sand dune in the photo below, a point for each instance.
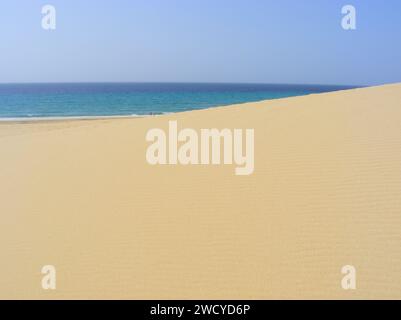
(326, 192)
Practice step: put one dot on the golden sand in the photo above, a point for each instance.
(326, 192)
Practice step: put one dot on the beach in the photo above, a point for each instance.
(324, 193)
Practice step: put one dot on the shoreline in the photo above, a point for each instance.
(66, 118)
(12, 120)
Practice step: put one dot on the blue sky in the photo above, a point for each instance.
(270, 41)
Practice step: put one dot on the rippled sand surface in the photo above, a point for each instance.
(326, 192)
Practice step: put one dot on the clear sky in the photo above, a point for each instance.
(270, 41)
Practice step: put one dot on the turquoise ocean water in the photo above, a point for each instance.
(113, 99)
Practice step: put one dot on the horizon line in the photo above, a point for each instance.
(188, 82)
